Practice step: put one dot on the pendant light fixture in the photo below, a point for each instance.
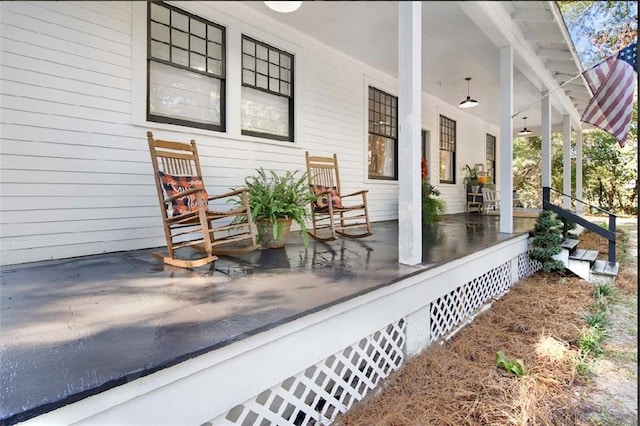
(283, 6)
(468, 103)
(524, 131)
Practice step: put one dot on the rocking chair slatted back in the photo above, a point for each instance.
(324, 171)
(328, 212)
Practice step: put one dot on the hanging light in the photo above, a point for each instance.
(525, 131)
(468, 103)
(283, 6)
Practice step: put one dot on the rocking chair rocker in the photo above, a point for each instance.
(328, 213)
(187, 218)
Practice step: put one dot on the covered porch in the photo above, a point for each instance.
(86, 338)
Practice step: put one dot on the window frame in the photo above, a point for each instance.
(388, 135)
(222, 77)
(491, 155)
(291, 97)
(447, 145)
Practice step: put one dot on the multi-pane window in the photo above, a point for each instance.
(447, 150)
(186, 69)
(383, 135)
(491, 157)
(267, 91)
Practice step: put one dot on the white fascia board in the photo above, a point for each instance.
(496, 22)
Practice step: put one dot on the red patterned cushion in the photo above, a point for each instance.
(322, 202)
(174, 185)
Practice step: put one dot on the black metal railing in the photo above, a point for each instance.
(609, 234)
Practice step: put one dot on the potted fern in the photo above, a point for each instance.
(276, 200)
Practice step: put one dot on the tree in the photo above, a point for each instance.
(600, 28)
(611, 172)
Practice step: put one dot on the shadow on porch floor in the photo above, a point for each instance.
(73, 328)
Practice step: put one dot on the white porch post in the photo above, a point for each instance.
(579, 206)
(409, 120)
(566, 161)
(506, 139)
(546, 140)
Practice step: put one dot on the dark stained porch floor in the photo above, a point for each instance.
(76, 327)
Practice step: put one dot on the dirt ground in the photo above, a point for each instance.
(540, 322)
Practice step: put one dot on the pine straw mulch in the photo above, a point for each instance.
(458, 383)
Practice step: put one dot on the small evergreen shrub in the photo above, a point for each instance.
(568, 228)
(547, 240)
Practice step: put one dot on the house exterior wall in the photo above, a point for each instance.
(75, 169)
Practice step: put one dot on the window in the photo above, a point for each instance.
(267, 91)
(447, 150)
(186, 69)
(491, 157)
(383, 135)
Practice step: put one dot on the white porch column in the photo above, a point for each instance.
(409, 120)
(506, 139)
(579, 206)
(566, 161)
(546, 140)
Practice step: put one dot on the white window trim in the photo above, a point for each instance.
(234, 30)
(392, 90)
(451, 114)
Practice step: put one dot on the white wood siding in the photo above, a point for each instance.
(75, 175)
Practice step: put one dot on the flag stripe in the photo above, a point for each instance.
(612, 88)
(612, 84)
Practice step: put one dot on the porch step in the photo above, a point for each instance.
(580, 262)
(604, 269)
(569, 244)
(584, 255)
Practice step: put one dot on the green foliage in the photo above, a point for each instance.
(602, 290)
(470, 175)
(599, 319)
(583, 371)
(276, 196)
(547, 240)
(589, 341)
(610, 172)
(515, 366)
(527, 158)
(431, 205)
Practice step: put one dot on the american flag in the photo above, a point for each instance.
(612, 85)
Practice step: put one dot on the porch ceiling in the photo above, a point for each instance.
(460, 39)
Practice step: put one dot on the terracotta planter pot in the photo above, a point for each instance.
(266, 236)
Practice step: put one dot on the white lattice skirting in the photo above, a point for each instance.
(316, 395)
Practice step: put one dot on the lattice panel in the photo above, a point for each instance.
(527, 266)
(489, 285)
(452, 308)
(319, 393)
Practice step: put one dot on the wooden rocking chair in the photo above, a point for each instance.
(184, 204)
(328, 211)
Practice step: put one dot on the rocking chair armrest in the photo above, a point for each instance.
(364, 191)
(183, 194)
(228, 194)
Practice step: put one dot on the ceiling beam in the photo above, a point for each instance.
(544, 36)
(555, 54)
(563, 67)
(531, 15)
(578, 95)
